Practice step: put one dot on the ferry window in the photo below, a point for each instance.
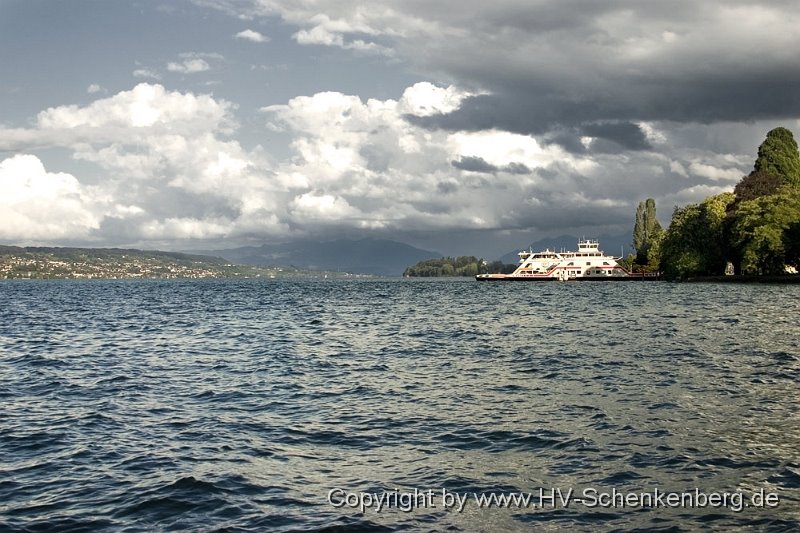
(606, 263)
(588, 263)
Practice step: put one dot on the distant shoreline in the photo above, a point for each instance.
(115, 263)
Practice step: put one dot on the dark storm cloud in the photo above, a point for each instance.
(489, 111)
(566, 68)
(624, 134)
(474, 164)
(516, 168)
(553, 218)
(479, 164)
(759, 94)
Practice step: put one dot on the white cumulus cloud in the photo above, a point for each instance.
(146, 73)
(252, 35)
(365, 164)
(144, 106)
(169, 168)
(41, 205)
(189, 66)
(322, 206)
(172, 168)
(715, 173)
(425, 99)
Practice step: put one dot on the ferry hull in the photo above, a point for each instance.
(508, 277)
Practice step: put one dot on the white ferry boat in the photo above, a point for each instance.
(589, 263)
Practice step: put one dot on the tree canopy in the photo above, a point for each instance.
(778, 156)
(757, 184)
(455, 266)
(756, 228)
(694, 242)
(762, 229)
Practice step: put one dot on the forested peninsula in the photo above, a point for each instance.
(752, 231)
(467, 266)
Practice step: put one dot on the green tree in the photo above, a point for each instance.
(778, 156)
(470, 269)
(756, 184)
(757, 227)
(627, 262)
(465, 265)
(764, 232)
(680, 250)
(647, 233)
(693, 245)
(791, 243)
(653, 253)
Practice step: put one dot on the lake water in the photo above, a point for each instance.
(253, 405)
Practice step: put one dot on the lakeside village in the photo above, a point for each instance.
(36, 266)
(104, 263)
(23, 263)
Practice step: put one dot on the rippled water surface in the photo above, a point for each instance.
(240, 405)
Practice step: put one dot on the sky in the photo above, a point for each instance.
(465, 127)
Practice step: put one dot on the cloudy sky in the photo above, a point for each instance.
(465, 127)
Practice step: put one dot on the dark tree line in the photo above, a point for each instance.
(456, 266)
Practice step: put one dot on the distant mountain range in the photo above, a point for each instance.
(365, 256)
(380, 257)
(610, 244)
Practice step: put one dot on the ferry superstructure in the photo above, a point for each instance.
(589, 263)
